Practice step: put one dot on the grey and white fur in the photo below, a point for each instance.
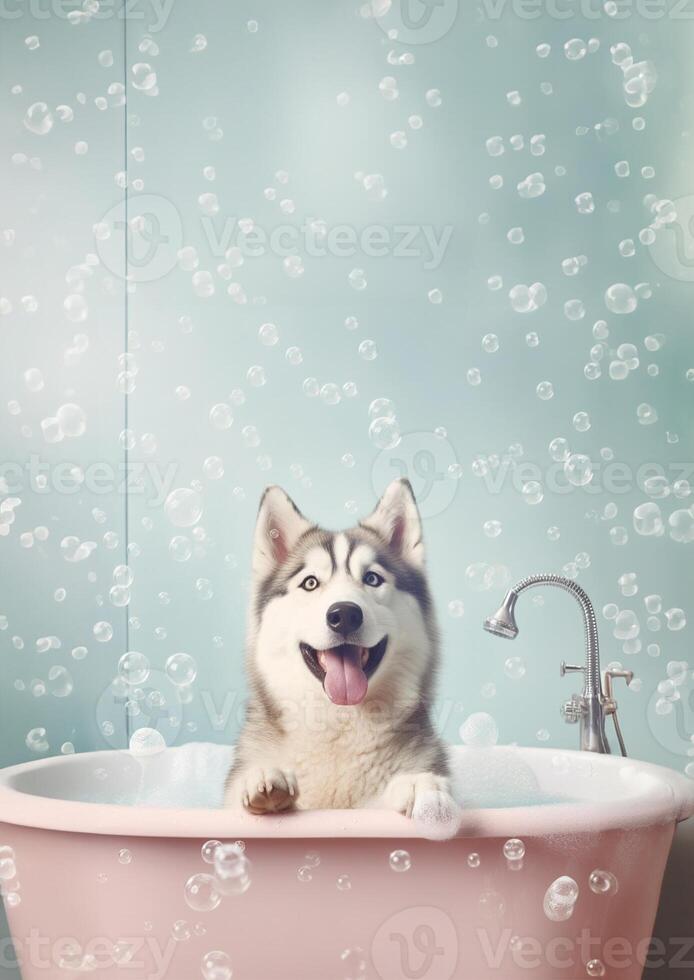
(342, 658)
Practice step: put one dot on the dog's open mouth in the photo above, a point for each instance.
(344, 671)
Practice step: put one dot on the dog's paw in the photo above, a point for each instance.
(425, 798)
(437, 814)
(267, 790)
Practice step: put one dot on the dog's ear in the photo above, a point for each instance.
(397, 520)
(279, 526)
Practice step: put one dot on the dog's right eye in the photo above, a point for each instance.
(310, 583)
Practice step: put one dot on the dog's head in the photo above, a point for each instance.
(346, 612)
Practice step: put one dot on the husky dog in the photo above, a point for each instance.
(342, 656)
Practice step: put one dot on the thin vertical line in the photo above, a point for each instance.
(126, 311)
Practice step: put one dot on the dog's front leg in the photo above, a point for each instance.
(426, 798)
(262, 790)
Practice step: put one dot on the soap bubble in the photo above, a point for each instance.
(147, 741)
(8, 869)
(532, 186)
(201, 893)
(207, 851)
(595, 968)
(433, 97)
(344, 883)
(514, 667)
(203, 283)
(143, 78)
(183, 507)
(575, 49)
(304, 874)
(603, 882)
(330, 393)
(626, 625)
(180, 548)
(527, 299)
(103, 632)
(384, 432)
(648, 519)
(532, 492)
(676, 619)
(514, 852)
(213, 468)
(216, 965)
(33, 379)
(560, 899)
(181, 931)
(134, 667)
(681, 526)
(367, 350)
(38, 119)
(400, 861)
(353, 964)
(181, 669)
(294, 356)
(578, 469)
(620, 298)
(232, 869)
(585, 203)
(559, 449)
(60, 681)
(72, 420)
(479, 730)
(646, 414)
(221, 416)
(473, 860)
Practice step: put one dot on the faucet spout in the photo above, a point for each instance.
(589, 709)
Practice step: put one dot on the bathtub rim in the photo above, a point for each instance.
(125, 820)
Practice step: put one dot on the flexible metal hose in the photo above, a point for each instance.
(593, 686)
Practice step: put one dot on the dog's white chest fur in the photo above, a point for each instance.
(346, 763)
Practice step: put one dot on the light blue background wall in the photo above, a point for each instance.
(257, 102)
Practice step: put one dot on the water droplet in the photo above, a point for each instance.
(183, 507)
(560, 899)
(181, 669)
(603, 882)
(201, 893)
(400, 861)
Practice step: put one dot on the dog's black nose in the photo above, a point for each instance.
(344, 617)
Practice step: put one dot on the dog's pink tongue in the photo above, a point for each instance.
(345, 681)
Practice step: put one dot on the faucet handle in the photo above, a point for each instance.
(565, 668)
(573, 710)
(609, 705)
(612, 674)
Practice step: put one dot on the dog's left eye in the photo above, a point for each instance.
(373, 579)
(309, 583)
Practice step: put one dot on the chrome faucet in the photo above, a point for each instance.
(591, 707)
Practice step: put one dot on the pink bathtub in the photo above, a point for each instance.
(92, 883)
